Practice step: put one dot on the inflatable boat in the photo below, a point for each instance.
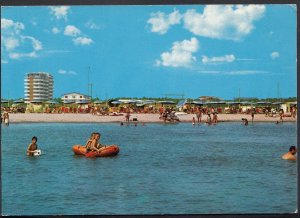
(107, 151)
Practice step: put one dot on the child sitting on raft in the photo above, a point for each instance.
(89, 142)
(95, 144)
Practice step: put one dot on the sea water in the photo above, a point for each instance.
(160, 169)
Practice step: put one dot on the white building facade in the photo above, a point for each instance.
(38, 87)
(75, 97)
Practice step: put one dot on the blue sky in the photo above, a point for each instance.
(149, 51)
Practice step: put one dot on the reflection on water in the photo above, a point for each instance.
(161, 169)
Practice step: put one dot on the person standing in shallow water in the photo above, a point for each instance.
(291, 154)
(127, 116)
(252, 115)
(199, 114)
(6, 118)
(32, 146)
(215, 118)
(194, 121)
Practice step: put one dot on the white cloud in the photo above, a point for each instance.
(55, 30)
(17, 55)
(14, 43)
(10, 43)
(180, 55)
(82, 41)
(274, 55)
(161, 22)
(67, 72)
(71, 30)
(226, 58)
(36, 44)
(223, 21)
(78, 38)
(11, 26)
(60, 11)
(91, 25)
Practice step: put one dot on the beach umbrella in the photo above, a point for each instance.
(181, 103)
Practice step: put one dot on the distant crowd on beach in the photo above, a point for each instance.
(153, 109)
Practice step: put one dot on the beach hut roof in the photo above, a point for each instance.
(127, 101)
(167, 102)
(82, 102)
(214, 102)
(4, 101)
(36, 101)
(19, 101)
(197, 102)
(246, 102)
(69, 101)
(232, 102)
(148, 101)
(263, 102)
(98, 102)
(116, 102)
(51, 102)
(277, 102)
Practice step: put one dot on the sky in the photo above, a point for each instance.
(149, 51)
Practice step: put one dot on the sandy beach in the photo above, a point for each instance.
(146, 118)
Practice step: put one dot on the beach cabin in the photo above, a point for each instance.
(75, 97)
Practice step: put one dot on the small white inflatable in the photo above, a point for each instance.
(37, 152)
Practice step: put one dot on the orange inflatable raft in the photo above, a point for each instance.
(108, 151)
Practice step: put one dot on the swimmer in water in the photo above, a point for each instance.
(32, 146)
(291, 154)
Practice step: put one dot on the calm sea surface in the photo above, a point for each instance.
(161, 169)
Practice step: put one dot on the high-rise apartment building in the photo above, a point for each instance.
(38, 87)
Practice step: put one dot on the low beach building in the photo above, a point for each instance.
(38, 87)
(75, 97)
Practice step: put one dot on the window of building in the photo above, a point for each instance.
(80, 96)
(74, 96)
(66, 96)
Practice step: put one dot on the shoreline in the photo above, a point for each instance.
(141, 118)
